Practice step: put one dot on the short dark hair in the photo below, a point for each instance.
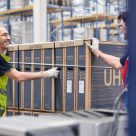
(122, 16)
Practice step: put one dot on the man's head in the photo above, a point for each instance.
(122, 23)
(4, 38)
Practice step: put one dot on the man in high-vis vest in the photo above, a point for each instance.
(8, 71)
(115, 62)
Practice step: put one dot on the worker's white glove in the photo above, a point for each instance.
(54, 72)
(95, 45)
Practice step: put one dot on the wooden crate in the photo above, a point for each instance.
(14, 88)
(48, 102)
(15, 112)
(83, 76)
(60, 83)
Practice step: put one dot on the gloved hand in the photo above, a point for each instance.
(54, 72)
(95, 45)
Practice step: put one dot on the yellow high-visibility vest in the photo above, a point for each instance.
(3, 87)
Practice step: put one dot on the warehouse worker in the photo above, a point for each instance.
(8, 71)
(115, 62)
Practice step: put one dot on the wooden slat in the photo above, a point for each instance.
(88, 79)
(53, 83)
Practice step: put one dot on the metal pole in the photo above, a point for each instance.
(132, 66)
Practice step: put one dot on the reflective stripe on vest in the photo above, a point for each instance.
(2, 110)
(3, 92)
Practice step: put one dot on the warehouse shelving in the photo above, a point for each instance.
(94, 17)
(28, 11)
(70, 22)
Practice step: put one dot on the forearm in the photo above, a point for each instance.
(109, 59)
(23, 76)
